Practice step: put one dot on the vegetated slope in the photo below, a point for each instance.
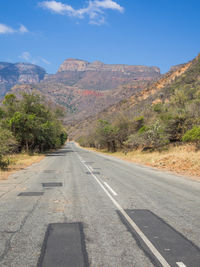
(85, 89)
(80, 104)
(160, 114)
(18, 73)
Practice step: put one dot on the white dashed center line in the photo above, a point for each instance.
(156, 253)
(111, 190)
(181, 264)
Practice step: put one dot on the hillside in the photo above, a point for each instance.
(171, 104)
(80, 104)
(18, 73)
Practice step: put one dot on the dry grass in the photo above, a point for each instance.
(180, 159)
(19, 162)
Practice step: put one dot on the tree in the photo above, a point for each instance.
(106, 135)
(7, 144)
(34, 125)
(123, 127)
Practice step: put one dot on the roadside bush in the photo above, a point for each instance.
(8, 144)
(158, 108)
(193, 135)
(152, 137)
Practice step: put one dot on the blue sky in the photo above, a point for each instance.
(139, 32)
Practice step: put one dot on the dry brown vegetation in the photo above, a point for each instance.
(19, 162)
(178, 159)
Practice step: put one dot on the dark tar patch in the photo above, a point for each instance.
(30, 194)
(52, 184)
(172, 245)
(64, 245)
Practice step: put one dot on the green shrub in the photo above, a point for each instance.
(4, 162)
(158, 107)
(143, 129)
(8, 144)
(192, 135)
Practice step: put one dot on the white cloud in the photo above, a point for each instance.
(23, 29)
(95, 9)
(56, 7)
(26, 56)
(45, 61)
(4, 29)
(108, 4)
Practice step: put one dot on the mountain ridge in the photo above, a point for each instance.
(19, 73)
(72, 64)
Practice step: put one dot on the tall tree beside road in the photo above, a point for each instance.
(30, 124)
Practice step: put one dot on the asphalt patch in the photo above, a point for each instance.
(52, 184)
(92, 172)
(64, 245)
(31, 194)
(171, 244)
(49, 171)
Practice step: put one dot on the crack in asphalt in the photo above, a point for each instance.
(8, 242)
(12, 189)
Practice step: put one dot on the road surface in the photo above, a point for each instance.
(81, 208)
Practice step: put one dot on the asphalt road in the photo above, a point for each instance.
(80, 208)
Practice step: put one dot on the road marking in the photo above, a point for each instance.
(181, 264)
(155, 252)
(111, 190)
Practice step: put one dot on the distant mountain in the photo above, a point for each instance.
(84, 88)
(100, 76)
(18, 73)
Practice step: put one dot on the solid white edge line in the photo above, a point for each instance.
(181, 264)
(155, 252)
(111, 190)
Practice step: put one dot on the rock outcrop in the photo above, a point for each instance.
(82, 65)
(19, 73)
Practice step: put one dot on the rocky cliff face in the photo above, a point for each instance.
(100, 76)
(81, 65)
(72, 64)
(19, 73)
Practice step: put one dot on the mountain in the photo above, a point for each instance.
(85, 89)
(18, 73)
(100, 76)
